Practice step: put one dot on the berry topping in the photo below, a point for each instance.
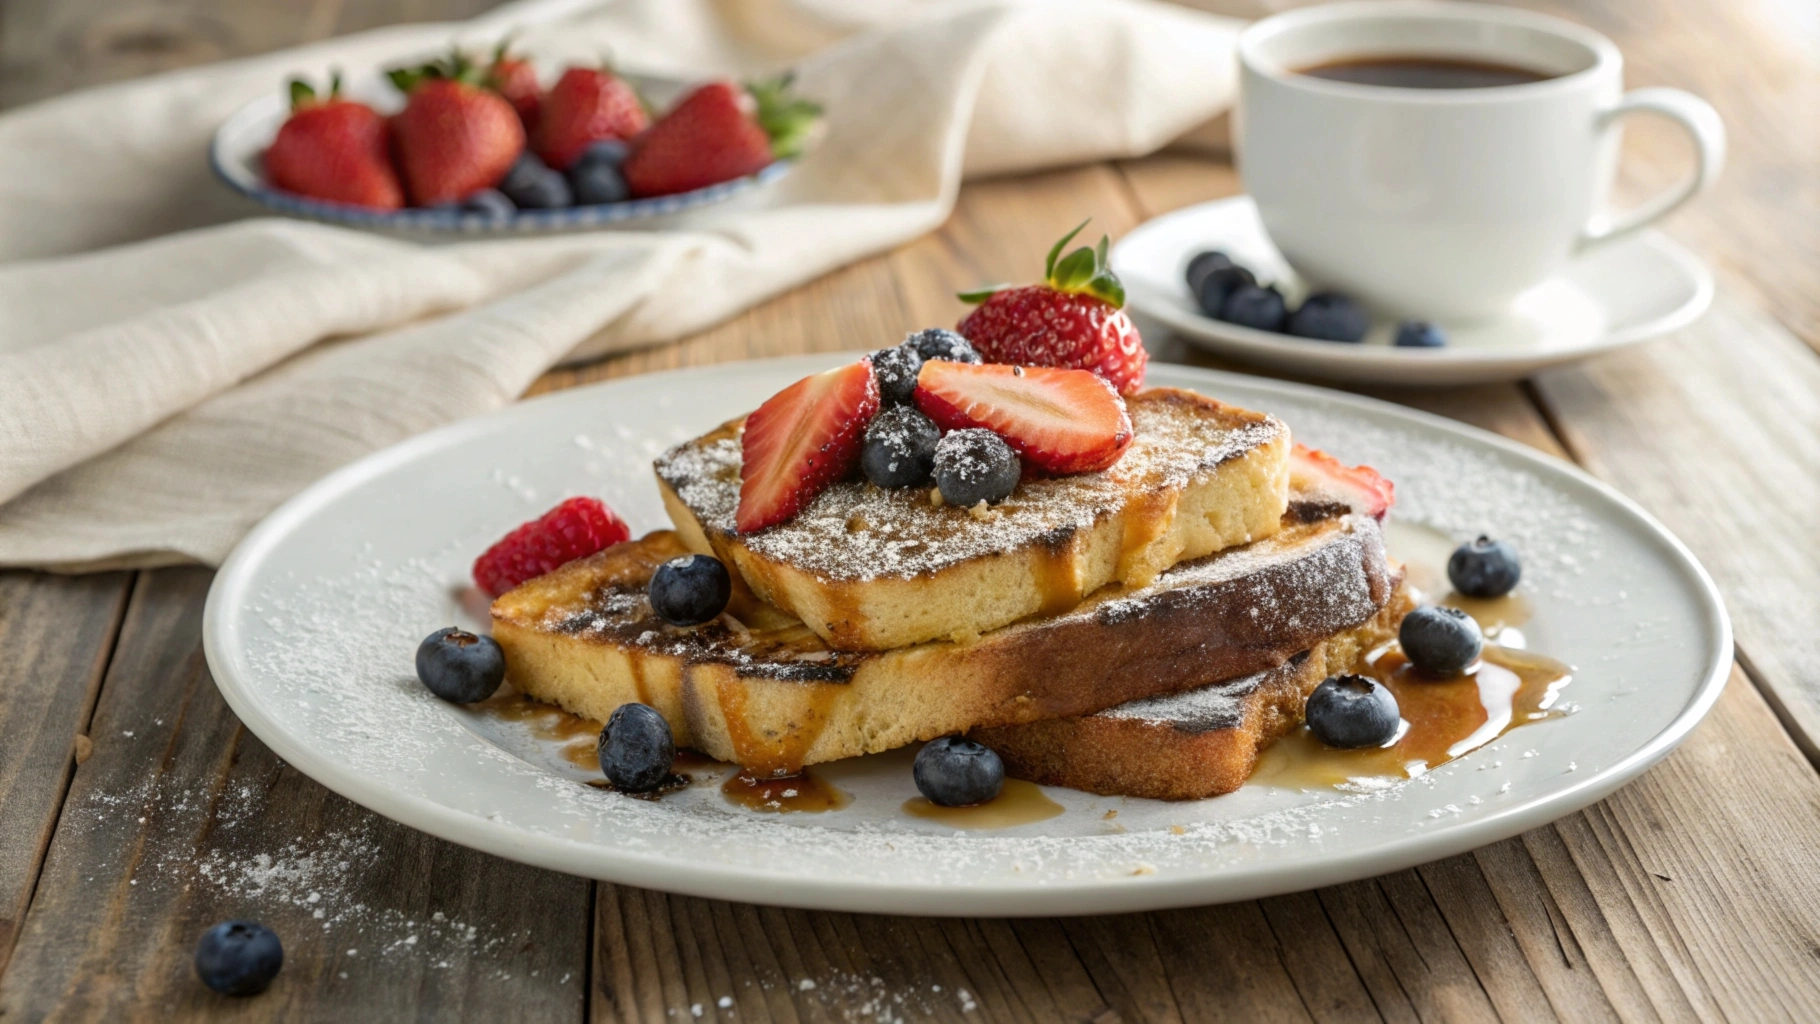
(1217, 285)
(577, 527)
(896, 370)
(690, 590)
(1074, 319)
(941, 343)
(1260, 308)
(1484, 568)
(1320, 475)
(1352, 711)
(533, 186)
(460, 666)
(239, 958)
(636, 749)
(975, 465)
(802, 439)
(1440, 641)
(719, 132)
(585, 106)
(334, 149)
(1203, 264)
(900, 448)
(1419, 334)
(1330, 316)
(1063, 421)
(955, 771)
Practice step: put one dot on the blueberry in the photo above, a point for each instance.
(690, 590)
(1217, 285)
(1440, 641)
(1419, 334)
(900, 448)
(611, 152)
(1484, 568)
(1330, 316)
(936, 343)
(636, 749)
(1352, 711)
(533, 185)
(489, 203)
(975, 465)
(460, 666)
(239, 958)
(1202, 264)
(1260, 308)
(895, 370)
(597, 183)
(958, 772)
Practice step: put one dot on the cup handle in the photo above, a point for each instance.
(1700, 121)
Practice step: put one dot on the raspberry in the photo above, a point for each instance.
(571, 530)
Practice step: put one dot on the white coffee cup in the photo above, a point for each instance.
(1443, 204)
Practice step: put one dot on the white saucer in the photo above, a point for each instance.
(312, 625)
(1618, 295)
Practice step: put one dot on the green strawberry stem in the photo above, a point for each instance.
(1084, 271)
(456, 67)
(788, 119)
(303, 94)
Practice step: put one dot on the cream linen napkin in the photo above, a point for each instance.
(169, 372)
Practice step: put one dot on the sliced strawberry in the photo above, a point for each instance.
(804, 438)
(1059, 420)
(1316, 473)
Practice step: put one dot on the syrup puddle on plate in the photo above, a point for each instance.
(791, 794)
(578, 738)
(1019, 803)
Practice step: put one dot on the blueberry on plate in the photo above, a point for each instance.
(534, 185)
(1217, 285)
(1484, 568)
(895, 370)
(899, 450)
(489, 203)
(1351, 711)
(975, 465)
(955, 771)
(239, 958)
(1419, 334)
(690, 590)
(1202, 264)
(1259, 307)
(636, 749)
(460, 666)
(1440, 641)
(597, 183)
(1330, 316)
(937, 343)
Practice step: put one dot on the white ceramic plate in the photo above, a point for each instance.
(1618, 295)
(237, 155)
(312, 624)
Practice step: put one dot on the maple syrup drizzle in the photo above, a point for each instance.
(580, 737)
(1019, 803)
(789, 794)
(1442, 719)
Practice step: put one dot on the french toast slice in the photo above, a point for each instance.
(1193, 744)
(874, 569)
(759, 688)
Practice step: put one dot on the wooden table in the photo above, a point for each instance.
(135, 811)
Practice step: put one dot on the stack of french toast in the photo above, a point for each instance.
(1140, 629)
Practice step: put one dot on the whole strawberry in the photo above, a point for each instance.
(719, 132)
(454, 136)
(1075, 318)
(515, 79)
(585, 106)
(333, 149)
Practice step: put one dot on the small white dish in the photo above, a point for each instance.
(237, 155)
(1623, 293)
(311, 628)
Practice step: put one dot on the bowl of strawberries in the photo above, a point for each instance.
(472, 146)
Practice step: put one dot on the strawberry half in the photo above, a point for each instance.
(1062, 421)
(804, 438)
(1316, 473)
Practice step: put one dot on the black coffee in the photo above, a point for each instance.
(1423, 73)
